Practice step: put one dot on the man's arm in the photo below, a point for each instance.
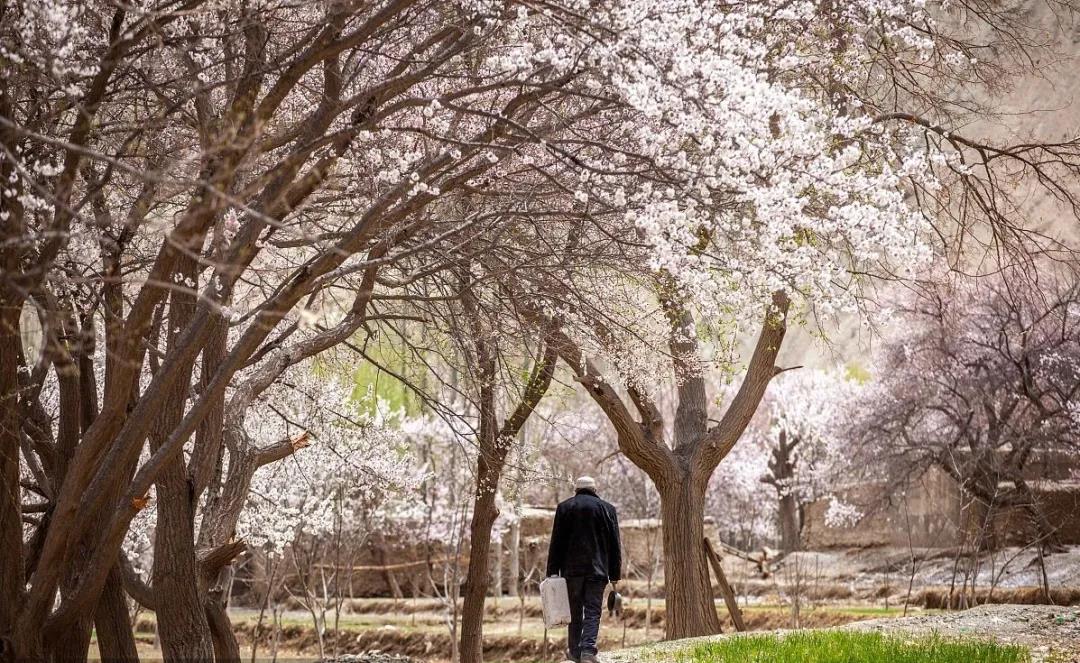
(557, 545)
(614, 548)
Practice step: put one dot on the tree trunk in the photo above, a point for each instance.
(12, 580)
(790, 537)
(75, 646)
(691, 610)
(476, 582)
(116, 642)
(181, 616)
(782, 477)
(226, 648)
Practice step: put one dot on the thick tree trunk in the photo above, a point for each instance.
(75, 646)
(690, 608)
(790, 538)
(476, 582)
(781, 477)
(181, 616)
(116, 642)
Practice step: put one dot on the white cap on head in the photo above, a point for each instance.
(585, 482)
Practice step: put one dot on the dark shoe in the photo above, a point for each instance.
(570, 657)
(588, 658)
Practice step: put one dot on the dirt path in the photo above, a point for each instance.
(1052, 633)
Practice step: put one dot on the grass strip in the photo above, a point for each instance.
(850, 647)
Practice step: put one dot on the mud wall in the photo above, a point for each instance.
(929, 515)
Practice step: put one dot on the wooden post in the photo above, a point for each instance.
(725, 588)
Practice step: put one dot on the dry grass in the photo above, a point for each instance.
(938, 597)
(415, 644)
(755, 619)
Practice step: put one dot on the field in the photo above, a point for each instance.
(852, 589)
(513, 631)
(987, 634)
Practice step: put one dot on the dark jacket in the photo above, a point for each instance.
(585, 539)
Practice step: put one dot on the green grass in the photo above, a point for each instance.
(850, 647)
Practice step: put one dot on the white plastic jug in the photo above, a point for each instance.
(555, 601)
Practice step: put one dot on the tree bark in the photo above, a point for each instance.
(181, 617)
(690, 608)
(116, 642)
(12, 643)
(782, 475)
(226, 648)
(790, 539)
(75, 647)
(476, 581)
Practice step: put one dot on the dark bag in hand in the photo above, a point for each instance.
(614, 603)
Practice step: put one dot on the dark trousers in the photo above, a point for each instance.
(586, 603)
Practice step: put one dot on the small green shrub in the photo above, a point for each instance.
(851, 647)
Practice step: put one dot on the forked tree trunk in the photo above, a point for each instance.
(690, 608)
(494, 442)
(681, 472)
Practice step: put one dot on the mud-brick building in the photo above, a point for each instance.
(933, 511)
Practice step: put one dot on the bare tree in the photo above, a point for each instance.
(980, 385)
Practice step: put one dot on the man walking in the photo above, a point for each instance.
(585, 550)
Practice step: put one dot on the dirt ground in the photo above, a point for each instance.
(833, 588)
(418, 628)
(1052, 633)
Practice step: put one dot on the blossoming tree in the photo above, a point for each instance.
(200, 197)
